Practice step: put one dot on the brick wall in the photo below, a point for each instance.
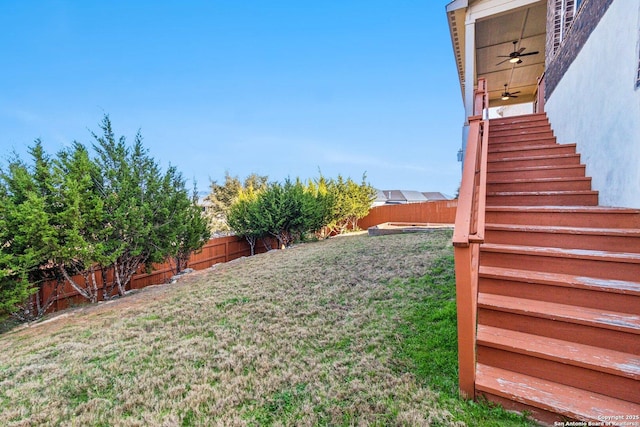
(584, 22)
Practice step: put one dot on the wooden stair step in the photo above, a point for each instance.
(511, 131)
(518, 120)
(572, 216)
(610, 295)
(530, 129)
(534, 180)
(533, 124)
(594, 263)
(584, 356)
(536, 121)
(520, 134)
(607, 239)
(574, 375)
(531, 150)
(497, 144)
(535, 172)
(539, 138)
(539, 121)
(543, 198)
(564, 253)
(563, 280)
(529, 161)
(588, 334)
(576, 183)
(548, 396)
(623, 322)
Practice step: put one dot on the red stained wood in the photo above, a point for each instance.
(559, 283)
(597, 264)
(440, 211)
(543, 198)
(564, 352)
(615, 321)
(601, 294)
(571, 216)
(567, 401)
(602, 239)
(523, 120)
(497, 153)
(579, 183)
(516, 162)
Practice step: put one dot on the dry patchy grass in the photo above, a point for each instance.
(303, 336)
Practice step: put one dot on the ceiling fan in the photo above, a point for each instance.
(514, 57)
(506, 94)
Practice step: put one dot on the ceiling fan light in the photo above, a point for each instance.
(505, 97)
(514, 60)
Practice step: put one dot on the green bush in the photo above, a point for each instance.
(74, 215)
(289, 211)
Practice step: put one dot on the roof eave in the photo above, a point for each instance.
(456, 16)
(457, 4)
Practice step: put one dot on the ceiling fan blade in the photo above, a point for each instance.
(512, 96)
(513, 93)
(502, 62)
(529, 53)
(521, 50)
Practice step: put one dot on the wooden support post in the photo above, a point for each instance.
(466, 297)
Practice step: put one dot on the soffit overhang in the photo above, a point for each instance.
(497, 24)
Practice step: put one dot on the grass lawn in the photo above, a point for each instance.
(354, 330)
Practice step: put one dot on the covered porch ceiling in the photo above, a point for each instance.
(494, 37)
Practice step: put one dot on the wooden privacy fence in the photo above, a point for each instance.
(217, 250)
(224, 249)
(440, 211)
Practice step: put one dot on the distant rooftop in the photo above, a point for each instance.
(400, 197)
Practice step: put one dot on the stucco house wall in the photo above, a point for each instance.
(597, 105)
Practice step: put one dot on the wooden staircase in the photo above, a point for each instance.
(558, 303)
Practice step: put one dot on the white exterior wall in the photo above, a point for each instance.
(511, 110)
(596, 106)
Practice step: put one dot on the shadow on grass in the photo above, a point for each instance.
(8, 324)
(428, 348)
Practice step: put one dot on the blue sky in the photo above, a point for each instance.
(281, 88)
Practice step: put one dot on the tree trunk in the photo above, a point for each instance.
(252, 243)
(73, 284)
(94, 284)
(42, 308)
(118, 280)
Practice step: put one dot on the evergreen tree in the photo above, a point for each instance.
(289, 211)
(323, 206)
(192, 229)
(220, 199)
(84, 221)
(223, 196)
(76, 214)
(245, 217)
(15, 264)
(351, 201)
(149, 215)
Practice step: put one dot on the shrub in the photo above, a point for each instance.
(73, 217)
